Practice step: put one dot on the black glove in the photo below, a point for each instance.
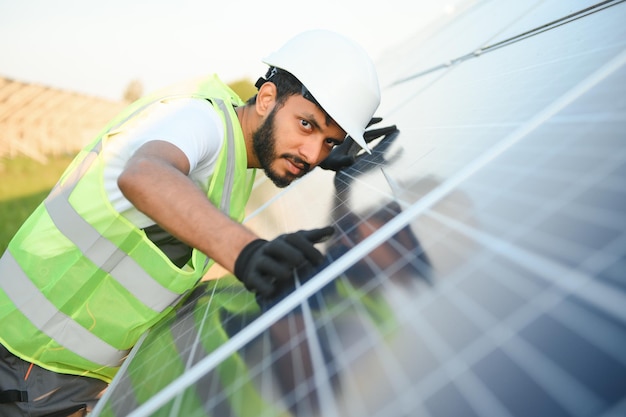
(344, 155)
(265, 267)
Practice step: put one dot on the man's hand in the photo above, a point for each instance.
(344, 155)
(265, 267)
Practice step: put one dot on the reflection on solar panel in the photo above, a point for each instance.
(480, 265)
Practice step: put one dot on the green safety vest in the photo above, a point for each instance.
(79, 283)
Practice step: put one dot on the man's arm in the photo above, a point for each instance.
(155, 181)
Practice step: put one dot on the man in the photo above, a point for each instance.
(145, 210)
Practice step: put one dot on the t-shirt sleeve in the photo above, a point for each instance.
(191, 124)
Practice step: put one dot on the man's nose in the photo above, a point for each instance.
(311, 150)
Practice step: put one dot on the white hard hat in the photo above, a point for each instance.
(337, 72)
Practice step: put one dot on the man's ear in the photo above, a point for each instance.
(265, 99)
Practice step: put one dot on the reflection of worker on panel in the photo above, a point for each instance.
(400, 257)
(375, 296)
(356, 228)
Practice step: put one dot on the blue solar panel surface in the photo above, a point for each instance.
(480, 263)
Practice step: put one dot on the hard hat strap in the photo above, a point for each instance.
(272, 71)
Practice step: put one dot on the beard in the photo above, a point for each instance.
(263, 141)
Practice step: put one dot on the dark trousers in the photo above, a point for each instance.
(29, 390)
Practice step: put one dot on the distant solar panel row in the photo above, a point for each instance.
(480, 267)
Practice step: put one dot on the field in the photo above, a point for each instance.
(24, 183)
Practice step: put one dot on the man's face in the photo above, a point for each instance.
(293, 139)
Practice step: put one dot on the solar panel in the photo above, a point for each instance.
(479, 264)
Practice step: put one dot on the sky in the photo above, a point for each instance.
(98, 48)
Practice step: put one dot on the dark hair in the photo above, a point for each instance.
(286, 84)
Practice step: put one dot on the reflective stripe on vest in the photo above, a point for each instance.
(103, 253)
(47, 318)
(230, 176)
(29, 300)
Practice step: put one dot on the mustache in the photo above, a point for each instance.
(299, 162)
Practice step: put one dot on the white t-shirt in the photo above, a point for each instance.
(191, 124)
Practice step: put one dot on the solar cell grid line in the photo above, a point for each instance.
(539, 299)
(562, 248)
(321, 379)
(182, 328)
(326, 323)
(494, 334)
(405, 373)
(606, 335)
(559, 204)
(371, 347)
(266, 380)
(583, 360)
(493, 206)
(564, 202)
(389, 378)
(453, 370)
(304, 396)
(194, 352)
(186, 341)
(410, 314)
(342, 360)
(489, 219)
(593, 176)
(613, 255)
(595, 292)
(601, 371)
(120, 383)
(569, 393)
(351, 352)
(597, 214)
(597, 359)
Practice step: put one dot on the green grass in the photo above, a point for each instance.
(24, 184)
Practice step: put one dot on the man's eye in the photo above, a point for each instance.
(305, 124)
(331, 143)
